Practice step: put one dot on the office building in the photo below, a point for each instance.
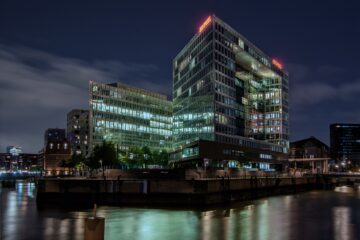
(78, 131)
(20, 162)
(5, 162)
(15, 160)
(13, 150)
(228, 91)
(345, 145)
(129, 117)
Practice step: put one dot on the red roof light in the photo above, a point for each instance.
(277, 64)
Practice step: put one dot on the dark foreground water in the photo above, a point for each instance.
(312, 215)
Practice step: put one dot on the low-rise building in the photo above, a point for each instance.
(310, 155)
(56, 150)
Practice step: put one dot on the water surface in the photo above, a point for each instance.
(312, 215)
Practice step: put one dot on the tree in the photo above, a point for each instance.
(123, 159)
(63, 164)
(137, 157)
(70, 163)
(76, 160)
(163, 158)
(104, 155)
(92, 162)
(126, 158)
(155, 157)
(147, 156)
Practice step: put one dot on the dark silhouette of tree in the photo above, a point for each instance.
(76, 160)
(155, 157)
(92, 162)
(137, 157)
(163, 158)
(147, 156)
(104, 155)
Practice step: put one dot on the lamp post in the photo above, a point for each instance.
(102, 167)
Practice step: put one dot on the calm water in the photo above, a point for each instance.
(312, 215)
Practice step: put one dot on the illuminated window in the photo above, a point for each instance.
(241, 43)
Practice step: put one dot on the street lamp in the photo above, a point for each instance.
(102, 167)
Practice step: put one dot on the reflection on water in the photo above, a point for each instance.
(345, 189)
(312, 215)
(351, 190)
(342, 223)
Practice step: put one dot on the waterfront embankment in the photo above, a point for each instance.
(171, 191)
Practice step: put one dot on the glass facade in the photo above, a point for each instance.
(227, 90)
(345, 145)
(129, 117)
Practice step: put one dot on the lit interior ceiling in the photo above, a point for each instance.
(251, 64)
(246, 76)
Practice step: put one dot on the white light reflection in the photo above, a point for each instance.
(247, 222)
(344, 189)
(287, 201)
(215, 224)
(64, 227)
(342, 223)
(263, 216)
(205, 223)
(79, 227)
(10, 216)
(50, 224)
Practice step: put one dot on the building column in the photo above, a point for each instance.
(312, 166)
(326, 170)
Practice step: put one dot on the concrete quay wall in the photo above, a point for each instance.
(166, 191)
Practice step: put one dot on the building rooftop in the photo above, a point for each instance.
(137, 90)
(236, 33)
(312, 139)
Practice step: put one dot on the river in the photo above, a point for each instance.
(311, 215)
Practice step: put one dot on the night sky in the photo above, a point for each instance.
(49, 51)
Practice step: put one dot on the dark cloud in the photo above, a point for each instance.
(312, 86)
(37, 89)
(320, 96)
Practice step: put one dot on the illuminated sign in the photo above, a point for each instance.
(205, 24)
(277, 64)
